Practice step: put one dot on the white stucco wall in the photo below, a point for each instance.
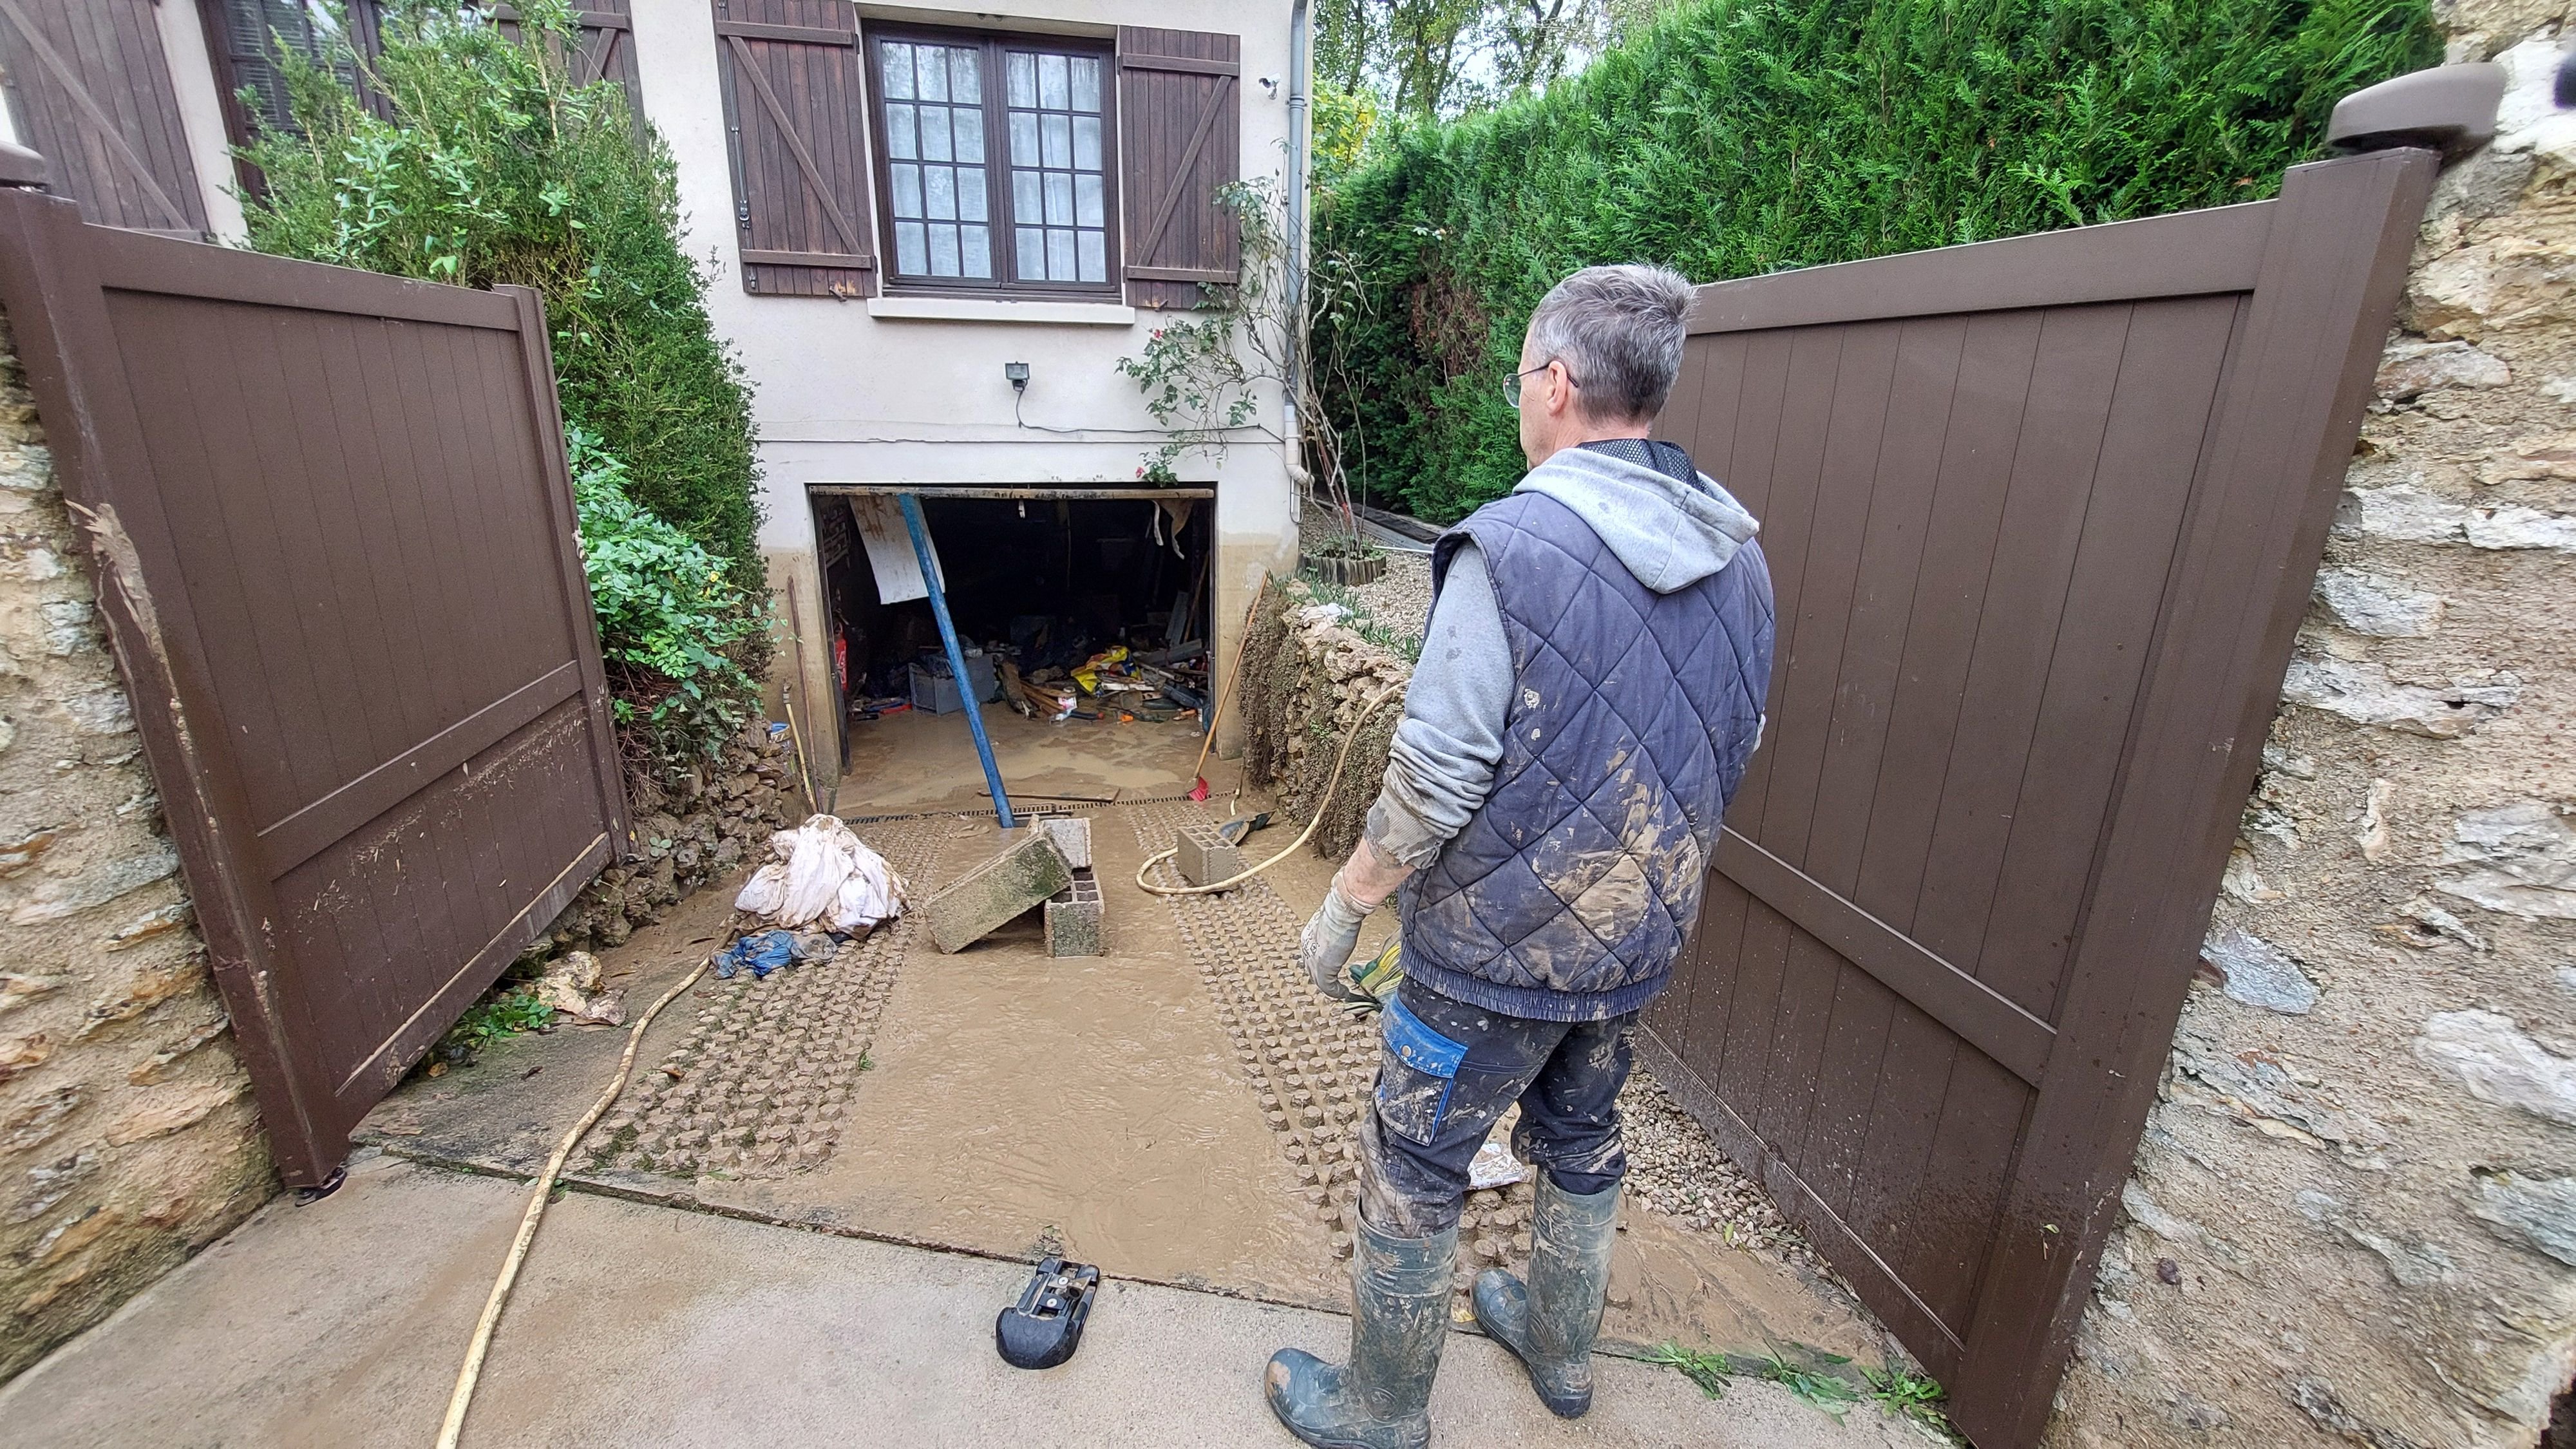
(846, 395)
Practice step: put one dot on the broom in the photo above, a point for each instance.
(1233, 672)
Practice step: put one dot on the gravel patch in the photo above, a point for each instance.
(1401, 597)
(1675, 1170)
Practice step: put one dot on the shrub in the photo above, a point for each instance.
(670, 621)
(1736, 137)
(489, 166)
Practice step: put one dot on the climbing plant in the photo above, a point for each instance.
(1733, 137)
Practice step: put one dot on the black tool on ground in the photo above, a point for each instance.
(1045, 1326)
(1241, 826)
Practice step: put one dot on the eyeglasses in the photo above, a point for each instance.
(1512, 384)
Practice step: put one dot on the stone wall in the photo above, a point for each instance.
(1306, 678)
(2353, 1219)
(127, 1135)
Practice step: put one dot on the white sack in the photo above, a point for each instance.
(767, 887)
(829, 872)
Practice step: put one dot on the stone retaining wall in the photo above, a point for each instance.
(1306, 679)
(2353, 1219)
(127, 1135)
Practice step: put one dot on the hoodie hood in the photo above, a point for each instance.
(1671, 532)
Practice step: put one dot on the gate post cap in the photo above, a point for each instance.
(2448, 108)
(20, 166)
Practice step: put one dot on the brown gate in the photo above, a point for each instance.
(2042, 516)
(336, 552)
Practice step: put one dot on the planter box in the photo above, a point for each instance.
(1348, 572)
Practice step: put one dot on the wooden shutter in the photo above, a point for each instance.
(793, 122)
(1180, 140)
(607, 45)
(90, 89)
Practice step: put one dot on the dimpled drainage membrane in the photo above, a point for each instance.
(761, 1083)
(1311, 1063)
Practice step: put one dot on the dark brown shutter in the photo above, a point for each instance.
(90, 89)
(607, 45)
(1180, 140)
(793, 119)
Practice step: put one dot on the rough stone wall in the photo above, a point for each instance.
(1306, 679)
(127, 1135)
(2353, 1219)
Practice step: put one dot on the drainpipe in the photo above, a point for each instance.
(1293, 446)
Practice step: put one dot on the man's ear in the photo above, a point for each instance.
(1561, 397)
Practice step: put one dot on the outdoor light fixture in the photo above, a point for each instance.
(1018, 373)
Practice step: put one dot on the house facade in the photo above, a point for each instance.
(933, 236)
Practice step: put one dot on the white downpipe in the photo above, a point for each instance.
(1293, 441)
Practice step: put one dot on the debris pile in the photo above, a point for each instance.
(823, 886)
(1044, 866)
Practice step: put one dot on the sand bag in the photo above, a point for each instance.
(825, 873)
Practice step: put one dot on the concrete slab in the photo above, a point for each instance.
(343, 1322)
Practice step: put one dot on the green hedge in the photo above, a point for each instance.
(1744, 136)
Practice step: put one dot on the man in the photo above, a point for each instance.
(1590, 688)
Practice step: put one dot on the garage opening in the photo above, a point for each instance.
(1084, 617)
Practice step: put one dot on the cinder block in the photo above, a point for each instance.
(1072, 836)
(1204, 856)
(1017, 881)
(1073, 917)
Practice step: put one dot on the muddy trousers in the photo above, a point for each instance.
(1447, 1071)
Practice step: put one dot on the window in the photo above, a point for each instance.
(995, 170)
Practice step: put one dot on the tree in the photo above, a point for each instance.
(1445, 58)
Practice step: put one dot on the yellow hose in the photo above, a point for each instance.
(1331, 783)
(467, 1377)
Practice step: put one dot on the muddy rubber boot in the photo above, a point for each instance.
(1549, 1325)
(1399, 1319)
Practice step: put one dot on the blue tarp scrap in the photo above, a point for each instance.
(766, 951)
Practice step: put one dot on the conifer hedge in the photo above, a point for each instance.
(1743, 136)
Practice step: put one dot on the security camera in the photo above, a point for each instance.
(1270, 85)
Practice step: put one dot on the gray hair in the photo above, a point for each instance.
(1619, 331)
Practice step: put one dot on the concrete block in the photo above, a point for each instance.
(1073, 916)
(1205, 858)
(1018, 880)
(1072, 837)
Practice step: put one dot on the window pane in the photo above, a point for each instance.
(896, 61)
(1026, 200)
(943, 251)
(939, 192)
(1059, 199)
(901, 143)
(1058, 131)
(1032, 247)
(975, 247)
(933, 68)
(1086, 142)
(1086, 83)
(1095, 256)
(970, 193)
(969, 125)
(1024, 139)
(934, 133)
(1059, 255)
(1052, 90)
(911, 253)
(1024, 80)
(1086, 202)
(965, 75)
(907, 190)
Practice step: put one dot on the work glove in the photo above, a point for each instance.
(1326, 945)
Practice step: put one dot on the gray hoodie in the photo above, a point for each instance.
(1670, 524)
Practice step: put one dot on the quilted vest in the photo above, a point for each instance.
(1569, 893)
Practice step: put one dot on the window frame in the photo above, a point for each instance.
(1005, 283)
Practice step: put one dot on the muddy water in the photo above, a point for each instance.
(1092, 1106)
(918, 761)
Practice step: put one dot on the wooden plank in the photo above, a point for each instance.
(2192, 253)
(785, 34)
(132, 261)
(1179, 64)
(854, 261)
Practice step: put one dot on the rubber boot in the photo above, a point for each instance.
(1399, 1319)
(1549, 1325)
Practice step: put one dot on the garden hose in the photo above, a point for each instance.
(467, 1377)
(1331, 783)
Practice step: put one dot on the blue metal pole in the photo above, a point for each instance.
(956, 656)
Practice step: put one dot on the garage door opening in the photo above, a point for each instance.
(1084, 617)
